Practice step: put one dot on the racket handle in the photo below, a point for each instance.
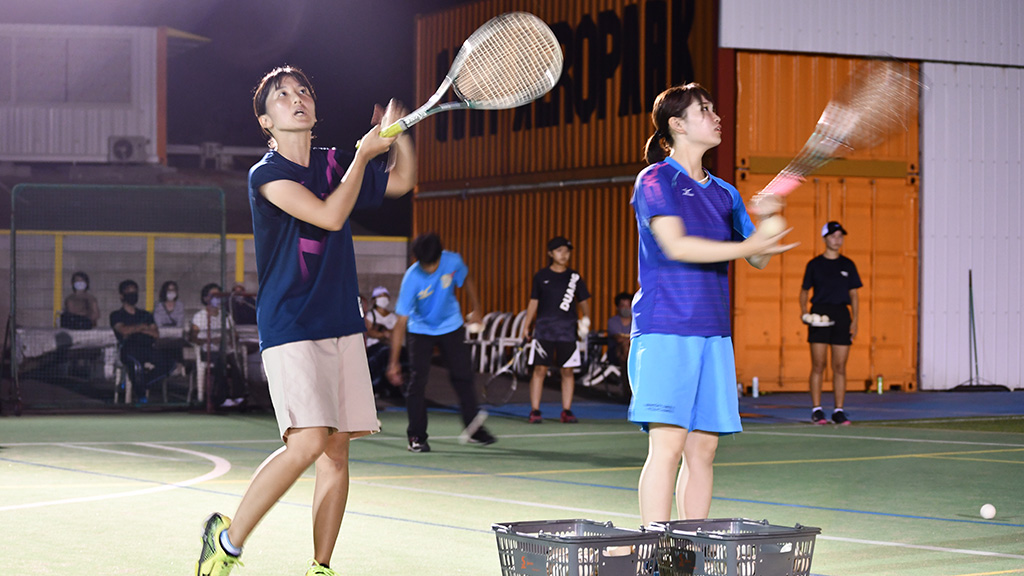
(783, 184)
(388, 132)
(392, 131)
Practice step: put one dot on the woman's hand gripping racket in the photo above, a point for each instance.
(511, 60)
(502, 385)
(876, 101)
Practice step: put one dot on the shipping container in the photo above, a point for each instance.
(873, 193)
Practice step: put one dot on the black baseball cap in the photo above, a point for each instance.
(832, 227)
(557, 242)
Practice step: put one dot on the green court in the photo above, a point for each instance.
(126, 493)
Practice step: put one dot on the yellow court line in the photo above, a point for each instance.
(863, 458)
(991, 460)
(1014, 571)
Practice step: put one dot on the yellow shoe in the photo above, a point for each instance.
(315, 569)
(214, 560)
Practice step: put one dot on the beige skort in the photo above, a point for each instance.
(322, 383)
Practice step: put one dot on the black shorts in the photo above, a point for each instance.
(554, 353)
(839, 333)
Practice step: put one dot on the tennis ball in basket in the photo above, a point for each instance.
(988, 511)
(772, 225)
(806, 318)
(816, 318)
(475, 327)
(824, 318)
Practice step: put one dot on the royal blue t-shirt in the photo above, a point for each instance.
(307, 275)
(683, 298)
(429, 299)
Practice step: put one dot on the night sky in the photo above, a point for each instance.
(356, 52)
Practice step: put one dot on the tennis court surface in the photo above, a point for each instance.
(899, 492)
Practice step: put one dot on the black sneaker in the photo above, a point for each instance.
(482, 437)
(417, 445)
(839, 417)
(818, 417)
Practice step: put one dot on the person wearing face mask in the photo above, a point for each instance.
(379, 323)
(136, 332)
(619, 327)
(81, 312)
(169, 312)
(205, 330)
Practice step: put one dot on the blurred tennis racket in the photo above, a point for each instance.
(511, 60)
(876, 101)
(502, 385)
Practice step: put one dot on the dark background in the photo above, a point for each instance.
(356, 52)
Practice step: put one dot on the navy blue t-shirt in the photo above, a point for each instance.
(307, 275)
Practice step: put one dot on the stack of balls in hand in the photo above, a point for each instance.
(816, 319)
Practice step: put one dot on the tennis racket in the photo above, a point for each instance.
(876, 101)
(511, 60)
(501, 386)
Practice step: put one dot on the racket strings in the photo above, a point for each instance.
(511, 61)
(878, 100)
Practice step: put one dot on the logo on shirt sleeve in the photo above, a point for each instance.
(446, 281)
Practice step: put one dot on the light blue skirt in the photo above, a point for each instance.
(686, 381)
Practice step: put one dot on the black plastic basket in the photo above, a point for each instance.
(574, 548)
(734, 547)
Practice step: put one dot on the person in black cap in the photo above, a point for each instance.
(832, 319)
(557, 289)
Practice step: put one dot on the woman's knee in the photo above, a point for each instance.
(307, 444)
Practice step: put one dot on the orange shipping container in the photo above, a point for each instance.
(874, 194)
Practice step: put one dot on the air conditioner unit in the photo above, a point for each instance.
(127, 149)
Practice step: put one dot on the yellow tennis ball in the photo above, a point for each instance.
(772, 225)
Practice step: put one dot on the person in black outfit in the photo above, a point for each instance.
(835, 281)
(136, 332)
(557, 289)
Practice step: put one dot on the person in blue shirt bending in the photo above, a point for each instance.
(428, 311)
(682, 371)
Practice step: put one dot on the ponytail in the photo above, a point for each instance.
(655, 151)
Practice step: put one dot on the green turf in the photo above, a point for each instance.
(900, 500)
(1008, 424)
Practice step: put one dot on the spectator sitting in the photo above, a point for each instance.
(619, 327)
(379, 323)
(169, 312)
(205, 330)
(136, 332)
(81, 312)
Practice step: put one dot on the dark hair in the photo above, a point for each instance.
(671, 103)
(206, 291)
(623, 296)
(272, 81)
(427, 248)
(81, 275)
(164, 287)
(125, 284)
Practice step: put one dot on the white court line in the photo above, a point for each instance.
(883, 439)
(120, 452)
(547, 506)
(220, 467)
(923, 547)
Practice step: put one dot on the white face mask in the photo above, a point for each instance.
(80, 286)
(382, 301)
(172, 296)
(215, 302)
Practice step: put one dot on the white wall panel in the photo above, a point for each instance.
(979, 32)
(972, 214)
(77, 131)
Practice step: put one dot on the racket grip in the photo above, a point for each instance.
(392, 131)
(783, 184)
(388, 132)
